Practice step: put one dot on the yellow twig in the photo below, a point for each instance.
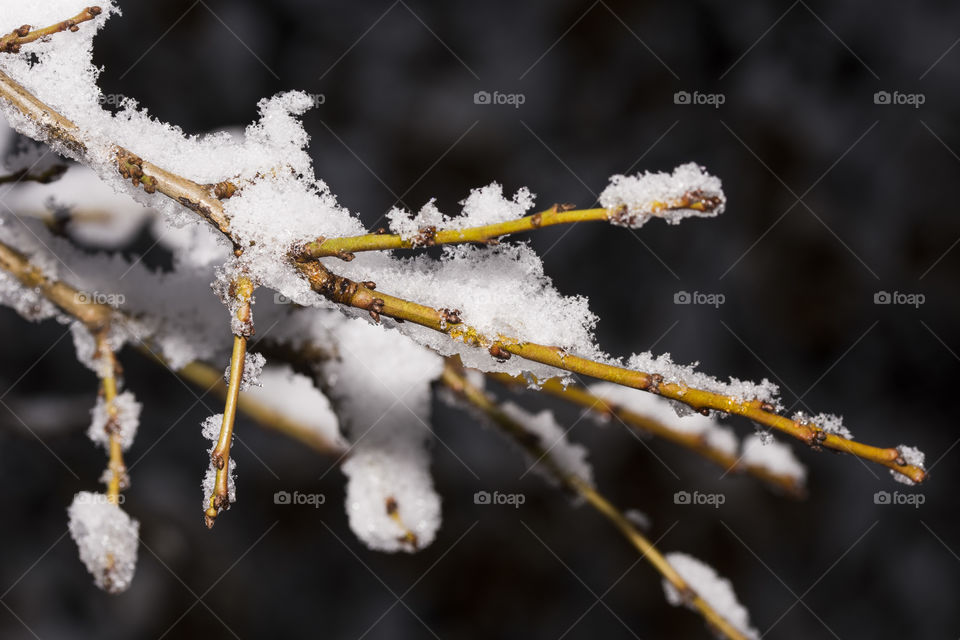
(12, 42)
(242, 291)
(580, 396)
(456, 382)
(108, 387)
(348, 292)
(489, 233)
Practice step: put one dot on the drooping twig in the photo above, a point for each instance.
(26, 34)
(484, 234)
(117, 478)
(580, 396)
(241, 290)
(457, 382)
(64, 134)
(96, 317)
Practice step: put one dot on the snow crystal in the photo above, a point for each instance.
(499, 290)
(126, 423)
(210, 429)
(739, 390)
(646, 195)
(298, 399)
(252, 370)
(382, 385)
(107, 539)
(775, 457)
(29, 303)
(910, 455)
(714, 589)
(717, 436)
(483, 206)
(570, 458)
(827, 421)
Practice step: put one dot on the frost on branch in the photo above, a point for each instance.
(714, 589)
(483, 206)
(381, 383)
(688, 191)
(211, 431)
(910, 455)
(107, 539)
(740, 390)
(827, 421)
(123, 425)
(570, 458)
(252, 371)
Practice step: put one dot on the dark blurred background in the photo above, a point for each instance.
(832, 198)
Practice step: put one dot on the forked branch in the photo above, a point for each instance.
(202, 200)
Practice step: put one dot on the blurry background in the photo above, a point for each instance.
(832, 198)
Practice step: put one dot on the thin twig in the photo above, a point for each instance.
(117, 479)
(26, 34)
(457, 382)
(489, 233)
(242, 292)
